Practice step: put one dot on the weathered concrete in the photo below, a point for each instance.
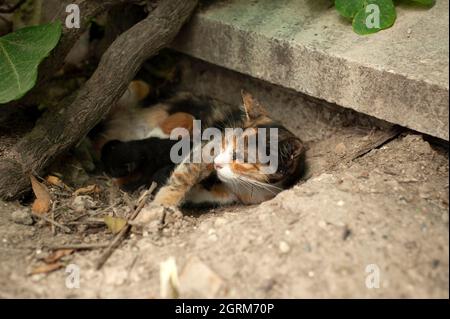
(309, 118)
(399, 75)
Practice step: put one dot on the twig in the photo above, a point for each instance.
(53, 217)
(51, 221)
(78, 246)
(162, 221)
(121, 235)
(382, 140)
(13, 7)
(87, 221)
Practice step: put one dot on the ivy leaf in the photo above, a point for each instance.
(381, 11)
(349, 8)
(21, 52)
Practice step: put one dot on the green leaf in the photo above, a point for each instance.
(21, 52)
(349, 8)
(376, 15)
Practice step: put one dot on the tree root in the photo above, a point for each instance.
(56, 132)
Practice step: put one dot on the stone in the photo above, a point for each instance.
(82, 203)
(340, 149)
(284, 247)
(22, 216)
(198, 280)
(306, 46)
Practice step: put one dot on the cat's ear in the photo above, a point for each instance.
(253, 109)
(293, 148)
(298, 148)
(292, 151)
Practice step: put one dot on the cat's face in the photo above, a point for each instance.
(278, 160)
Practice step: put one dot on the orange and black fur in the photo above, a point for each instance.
(135, 148)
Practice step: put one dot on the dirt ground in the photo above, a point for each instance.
(371, 226)
(370, 219)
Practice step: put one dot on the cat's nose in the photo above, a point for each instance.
(218, 166)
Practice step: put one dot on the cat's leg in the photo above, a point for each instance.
(217, 194)
(183, 178)
(171, 195)
(167, 200)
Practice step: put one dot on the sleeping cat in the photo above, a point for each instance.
(141, 153)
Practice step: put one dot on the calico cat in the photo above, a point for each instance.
(141, 154)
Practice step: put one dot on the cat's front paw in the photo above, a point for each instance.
(154, 217)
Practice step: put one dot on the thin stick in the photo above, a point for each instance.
(79, 246)
(121, 235)
(53, 217)
(51, 221)
(89, 220)
(385, 138)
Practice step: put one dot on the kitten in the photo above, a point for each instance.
(144, 151)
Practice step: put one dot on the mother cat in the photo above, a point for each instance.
(135, 148)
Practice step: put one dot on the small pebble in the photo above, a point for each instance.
(82, 203)
(322, 224)
(22, 217)
(340, 148)
(284, 247)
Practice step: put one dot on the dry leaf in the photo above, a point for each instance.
(46, 268)
(40, 206)
(114, 224)
(168, 279)
(88, 190)
(43, 200)
(54, 180)
(57, 255)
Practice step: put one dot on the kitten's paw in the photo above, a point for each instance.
(154, 217)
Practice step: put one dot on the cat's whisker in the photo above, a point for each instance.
(246, 184)
(269, 187)
(250, 184)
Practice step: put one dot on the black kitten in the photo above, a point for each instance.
(141, 162)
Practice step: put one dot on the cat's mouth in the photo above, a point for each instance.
(225, 174)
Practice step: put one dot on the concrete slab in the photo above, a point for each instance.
(399, 75)
(309, 118)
